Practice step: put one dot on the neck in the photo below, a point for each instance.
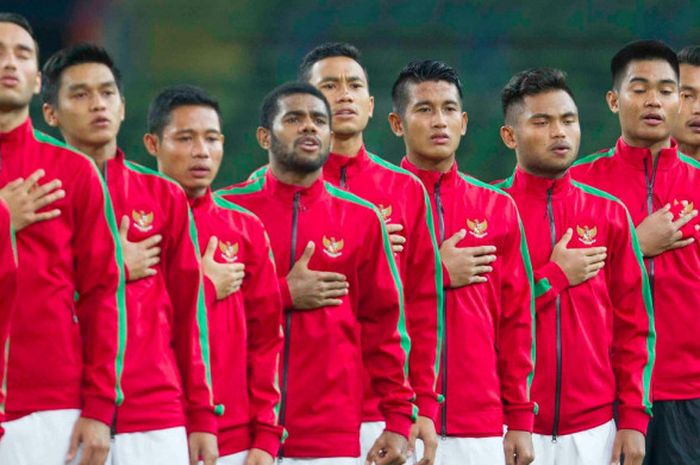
(294, 178)
(99, 153)
(347, 144)
(195, 192)
(429, 164)
(10, 120)
(654, 147)
(693, 151)
(541, 174)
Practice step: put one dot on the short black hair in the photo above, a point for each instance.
(21, 21)
(173, 97)
(532, 82)
(72, 56)
(641, 50)
(690, 55)
(421, 71)
(329, 50)
(270, 105)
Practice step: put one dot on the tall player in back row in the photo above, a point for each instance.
(68, 334)
(595, 338)
(659, 186)
(486, 365)
(686, 131)
(167, 381)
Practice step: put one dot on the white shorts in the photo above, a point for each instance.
(158, 447)
(40, 438)
(464, 451)
(590, 447)
(369, 432)
(323, 461)
(233, 459)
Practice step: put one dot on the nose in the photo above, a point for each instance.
(309, 126)
(200, 149)
(8, 61)
(557, 130)
(344, 94)
(98, 102)
(653, 99)
(439, 120)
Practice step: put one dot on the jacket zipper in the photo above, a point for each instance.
(650, 209)
(343, 177)
(288, 321)
(443, 368)
(557, 303)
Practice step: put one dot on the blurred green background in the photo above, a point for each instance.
(239, 50)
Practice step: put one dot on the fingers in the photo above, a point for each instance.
(477, 279)
(397, 242)
(564, 241)
(308, 253)
(616, 452)
(482, 269)
(682, 243)
(154, 240)
(331, 277)
(123, 227)
(330, 303)
(595, 250)
(73, 445)
(455, 238)
(481, 251)
(194, 454)
(334, 293)
(13, 185)
(509, 451)
(152, 252)
(685, 219)
(211, 248)
(43, 216)
(393, 228)
(44, 189)
(429, 453)
(483, 259)
(33, 179)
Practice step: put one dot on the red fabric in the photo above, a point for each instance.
(674, 281)
(604, 321)
(8, 292)
(244, 328)
(401, 199)
(64, 351)
(328, 345)
(488, 328)
(165, 362)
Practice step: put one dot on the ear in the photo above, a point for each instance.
(264, 137)
(371, 106)
(49, 115)
(613, 100)
(396, 124)
(508, 137)
(123, 109)
(465, 120)
(37, 84)
(151, 142)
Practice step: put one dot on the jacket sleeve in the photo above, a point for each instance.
(515, 341)
(99, 280)
(424, 301)
(185, 286)
(550, 281)
(8, 292)
(634, 337)
(263, 306)
(385, 341)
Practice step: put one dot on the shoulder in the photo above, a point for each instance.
(155, 178)
(250, 186)
(242, 215)
(588, 161)
(68, 157)
(607, 200)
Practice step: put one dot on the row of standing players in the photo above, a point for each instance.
(367, 254)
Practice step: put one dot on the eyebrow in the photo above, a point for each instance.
(336, 79)
(647, 81)
(549, 115)
(429, 102)
(210, 130)
(689, 87)
(82, 85)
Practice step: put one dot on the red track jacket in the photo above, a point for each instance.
(630, 174)
(167, 380)
(245, 328)
(65, 353)
(324, 348)
(401, 199)
(487, 356)
(8, 292)
(595, 341)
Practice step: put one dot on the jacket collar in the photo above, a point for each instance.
(521, 181)
(19, 134)
(204, 202)
(351, 166)
(430, 179)
(640, 157)
(286, 192)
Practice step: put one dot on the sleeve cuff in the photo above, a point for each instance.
(100, 409)
(445, 277)
(427, 406)
(286, 295)
(520, 420)
(202, 421)
(267, 440)
(556, 276)
(632, 419)
(399, 424)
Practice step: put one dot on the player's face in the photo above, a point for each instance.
(433, 122)
(647, 102)
(300, 137)
(89, 108)
(191, 148)
(342, 80)
(687, 127)
(19, 68)
(546, 133)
